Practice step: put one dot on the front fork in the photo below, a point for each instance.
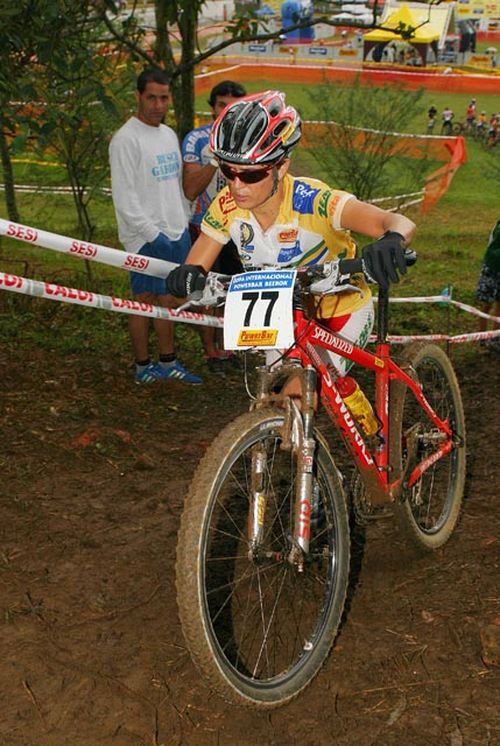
(298, 436)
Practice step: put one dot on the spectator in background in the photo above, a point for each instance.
(431, 118)
(201, 181)
(447, 117)
(470, 114)
(146, 170)
(488, 288)
(493, 129)
(481, 124)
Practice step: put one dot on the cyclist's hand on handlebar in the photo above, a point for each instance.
(185, 280)
(384, 258)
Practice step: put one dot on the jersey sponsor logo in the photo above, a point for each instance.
(246, 234)
(212, 222)
(226, 204)
(323, 204)
(196, 139)
(288, 236)
(287, 254)
(333, 205)
(246, 258)
(191, 158)
(303, 198)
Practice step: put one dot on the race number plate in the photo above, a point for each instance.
(258, 312)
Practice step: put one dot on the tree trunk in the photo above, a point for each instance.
(182, 84)
(8, 176)
(188, 25)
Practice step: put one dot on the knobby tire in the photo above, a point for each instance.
(428, 512)
(257, 628)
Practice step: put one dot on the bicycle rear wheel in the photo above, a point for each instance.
(428, 511)
(257, 627)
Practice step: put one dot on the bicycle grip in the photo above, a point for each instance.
(352, 266)
(199, 283)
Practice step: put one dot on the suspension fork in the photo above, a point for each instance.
(305, 471)
(297, 435)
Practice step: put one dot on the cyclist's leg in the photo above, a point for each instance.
(356, 328)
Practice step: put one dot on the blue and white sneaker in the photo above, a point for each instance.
(177, 372)
(156, 372)
(151, 373)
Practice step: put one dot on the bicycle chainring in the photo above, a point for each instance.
(363, 510)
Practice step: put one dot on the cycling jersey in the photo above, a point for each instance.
(307, 231)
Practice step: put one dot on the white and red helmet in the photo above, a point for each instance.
(259, 128)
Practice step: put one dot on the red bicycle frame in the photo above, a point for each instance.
(374, 467)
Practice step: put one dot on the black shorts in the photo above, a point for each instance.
(488, 286)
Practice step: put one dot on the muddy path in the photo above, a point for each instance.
(94, 470)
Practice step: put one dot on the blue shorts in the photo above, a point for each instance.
(161, 248)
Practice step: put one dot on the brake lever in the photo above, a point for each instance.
(213, 293)
(332, 281)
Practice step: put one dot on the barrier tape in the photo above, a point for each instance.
(51, 291)
(448, 301)
(472, 337)
(38, 189)
(85, 250)
(161, 268)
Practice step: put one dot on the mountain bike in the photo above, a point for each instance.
(263, 550)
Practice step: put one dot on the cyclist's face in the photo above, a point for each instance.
(247, 195)
(152, 103)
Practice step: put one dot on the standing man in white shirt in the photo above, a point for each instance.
(146, 181)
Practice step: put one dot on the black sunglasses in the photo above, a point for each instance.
(247, 177)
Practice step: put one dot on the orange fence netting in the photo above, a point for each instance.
(450, 149)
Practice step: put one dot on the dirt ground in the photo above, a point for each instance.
(94, 470)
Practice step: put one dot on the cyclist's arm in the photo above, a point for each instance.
(371, 221)
(204, 252)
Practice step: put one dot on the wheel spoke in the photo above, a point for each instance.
(255, 612)
(431, 506)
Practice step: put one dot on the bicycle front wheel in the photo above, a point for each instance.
(428, 511)
(257, 626)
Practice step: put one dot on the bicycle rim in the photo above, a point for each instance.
(268, 627)
(431, 506)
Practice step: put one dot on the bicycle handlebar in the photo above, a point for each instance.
(211, 290)
(353, 266)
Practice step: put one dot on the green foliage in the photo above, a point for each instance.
(405, 31)
(246, 25)
(359, 147)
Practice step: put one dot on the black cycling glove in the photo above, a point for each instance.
(384, 258)
(185, 279)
